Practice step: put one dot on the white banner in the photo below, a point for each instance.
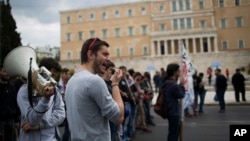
(188, 70)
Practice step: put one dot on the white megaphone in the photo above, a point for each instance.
(18, 62)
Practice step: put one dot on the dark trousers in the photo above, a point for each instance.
(237, 94)
(7, 131)
(66, 134)
(221, 94)
(173, 128)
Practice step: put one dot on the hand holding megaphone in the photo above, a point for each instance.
(116, 77)
(48, 91)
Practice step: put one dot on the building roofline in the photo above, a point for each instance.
(106, 6)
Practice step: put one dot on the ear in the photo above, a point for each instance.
(90, 55)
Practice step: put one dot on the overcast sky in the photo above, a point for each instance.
(38, 20)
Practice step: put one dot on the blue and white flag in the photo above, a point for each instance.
(188, 70)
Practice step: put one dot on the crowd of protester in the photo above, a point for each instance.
(101, 101)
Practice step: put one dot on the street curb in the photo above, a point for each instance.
(230, 104)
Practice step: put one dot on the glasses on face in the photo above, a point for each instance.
(92, 43)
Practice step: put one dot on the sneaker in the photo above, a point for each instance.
(188, 115)
(222, 111)
(145, 129)
(151, 123)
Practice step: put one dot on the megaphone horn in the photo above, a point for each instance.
(17, 62)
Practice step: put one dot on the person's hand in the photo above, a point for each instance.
(48, 91)
(181, 80)
(117, 76)
(27, 127)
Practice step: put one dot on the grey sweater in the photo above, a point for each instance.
(89, 107)
(47, 121)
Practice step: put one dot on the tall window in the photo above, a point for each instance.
(223, 23)
(117, 32)
(143, 11)
(224, 45)
(80, 35)
(68, 37)
(130, 12)
(118, 52)
(189, 23)
(145, 50)
(175, 24)
(131, 51)
(91, 16)
(221, 3)
(188, 5)
(79, 18)
(69, 55)
(68, 19)
(130, 31)
(181, 5)
(174, 6)
(239, 21)
(161, 8)
(202, 23)
(241, 44)
(104, 15)
(182, 23)
(201, 4)
(237, 2)
(104, 33)
(117, 14)
(162, 27)
(92, 33)
(144, 30)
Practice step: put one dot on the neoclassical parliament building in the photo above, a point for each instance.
(145, 35)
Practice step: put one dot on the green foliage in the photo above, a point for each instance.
(9, 38)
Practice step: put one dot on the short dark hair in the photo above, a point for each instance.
(171, 69)
(137, 74)
(64, 70)
(93, 44)
(122, 67)
(131, 72)
(50, 63)
(219, 70)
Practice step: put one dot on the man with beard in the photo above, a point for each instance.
(90, 106)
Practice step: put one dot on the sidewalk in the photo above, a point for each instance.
(229, 98)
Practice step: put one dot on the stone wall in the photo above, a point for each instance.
(201, 61)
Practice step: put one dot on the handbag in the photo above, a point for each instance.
(216, 98)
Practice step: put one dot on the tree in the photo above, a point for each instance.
(9, 37)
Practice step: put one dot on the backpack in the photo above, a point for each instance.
(160, 106)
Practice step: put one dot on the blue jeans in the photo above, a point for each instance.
(173, 128)
(202, 98)
(126, 121)
(220, 94)
(131, 123)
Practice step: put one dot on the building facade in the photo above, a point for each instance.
(149, 32)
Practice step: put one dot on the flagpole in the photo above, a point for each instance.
(181, 106)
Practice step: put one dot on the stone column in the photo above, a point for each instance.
(158, 47)
(194, 45)
(166, 47)
(172, 47)
(152, 49)
(209, 44)
(186, 45)
(215, 44)
(201, 45)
